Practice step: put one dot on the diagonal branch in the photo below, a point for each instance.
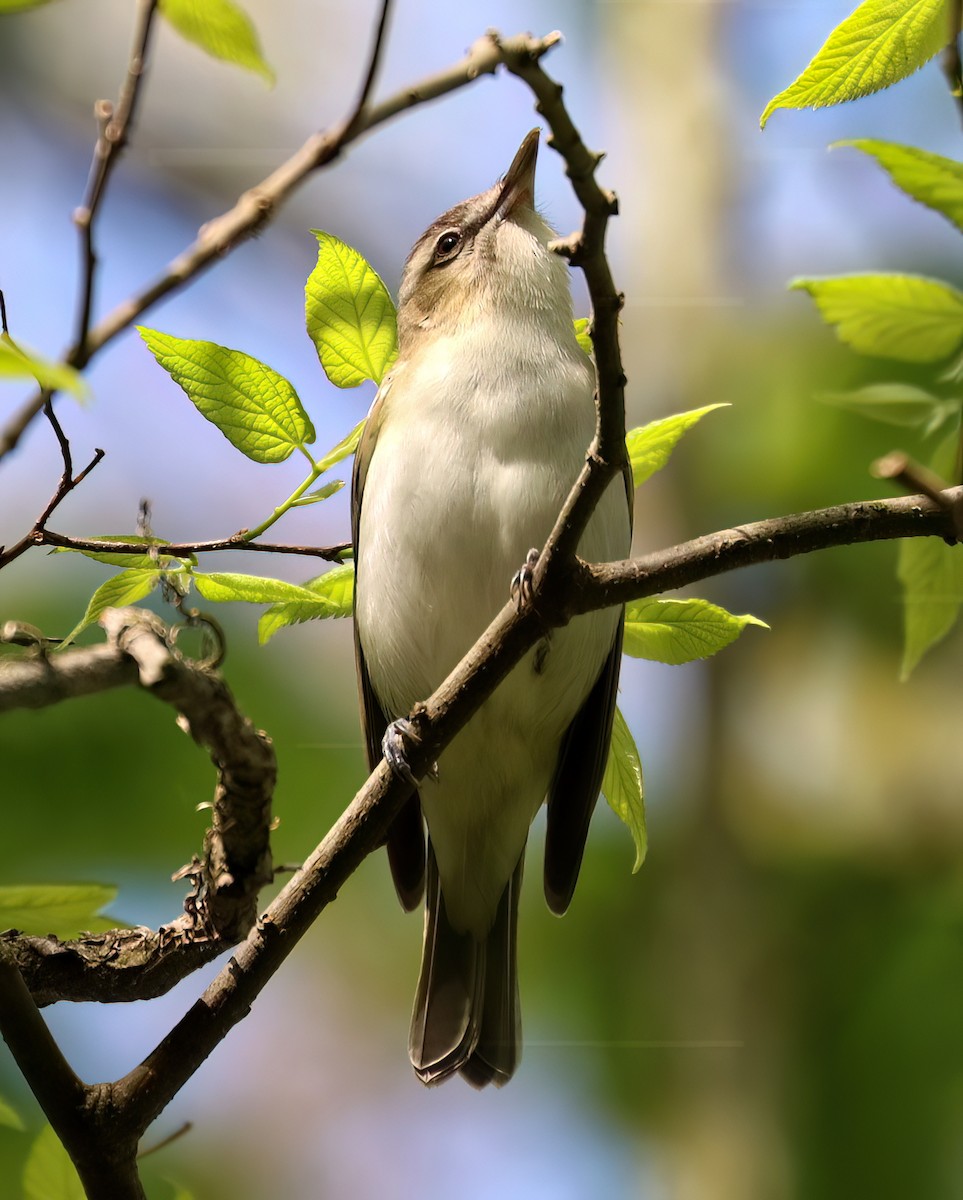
(143, 1093)
(138, 964)
(260, 203)
(114, 125)
(68, 481)
(585, 249)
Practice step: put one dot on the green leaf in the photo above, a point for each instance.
(255, 408)
(931, 179)
(120, 590)
(61, 909)
(9, 1117)
(899, 404)
(650, 446)
(582, 335)
(221, 29)
(909, 317)
(7, 6)
(345, 447)
(931, 573)
(220, 587)
(139, 561)
(48, 1173)
(333, 597)
(16, 362)
(623, 788)
(680, 631)
(322, 493)
(349, 314)
(880, 43)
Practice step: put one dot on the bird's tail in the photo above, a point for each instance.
(466, 1016)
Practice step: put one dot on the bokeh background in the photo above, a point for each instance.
(770, 1008)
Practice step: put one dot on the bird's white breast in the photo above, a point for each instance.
(475, 455)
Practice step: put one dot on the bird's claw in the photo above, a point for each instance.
(522, 581)
(399, 736)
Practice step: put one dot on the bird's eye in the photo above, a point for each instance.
(447, 245)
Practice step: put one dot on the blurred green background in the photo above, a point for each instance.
(770, 1008)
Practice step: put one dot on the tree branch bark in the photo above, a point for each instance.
(259, 204)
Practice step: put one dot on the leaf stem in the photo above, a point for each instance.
(316, 471)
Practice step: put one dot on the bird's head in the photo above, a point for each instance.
(488, 256)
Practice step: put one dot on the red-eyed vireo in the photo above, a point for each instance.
(471, 446)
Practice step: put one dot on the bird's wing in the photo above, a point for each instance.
(578, 774)
(577, 781)
(406, 837)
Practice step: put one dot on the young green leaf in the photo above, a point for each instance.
(899, 404)
(909, 317)
(650, 446)
(221, 29)
(349, 314)
(16, 362)
(931, 573)
(219, 587)
(623, 788)
(322, 493)
(880, 43)
(255, 408)
(48, 1173)
(344, 448)
(334, 597)
(931, 179)
(127, 560)
(582, 335)
(7, 6)
(126, 588)
(680, 631)
(61, 909)
(9, 1117)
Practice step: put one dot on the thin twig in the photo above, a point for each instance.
(178, 1133)
(113, 126)
(914, 477)
(68, 481)
(260, 203)
(374, 60)
(47, 537)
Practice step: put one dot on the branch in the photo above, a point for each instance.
(236, 864)
(141, 1095)
(111, 140)
(260, 204)
(47, 537)
(106, 1170)
(765, 541)
(68, 481)
(584, 249)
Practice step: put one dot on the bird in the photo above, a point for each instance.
(472, 444)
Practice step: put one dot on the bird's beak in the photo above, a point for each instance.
(518, 183)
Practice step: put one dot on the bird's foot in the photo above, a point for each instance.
(399, 737)
(522, 582)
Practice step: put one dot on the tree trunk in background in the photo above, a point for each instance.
(720, 1140)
